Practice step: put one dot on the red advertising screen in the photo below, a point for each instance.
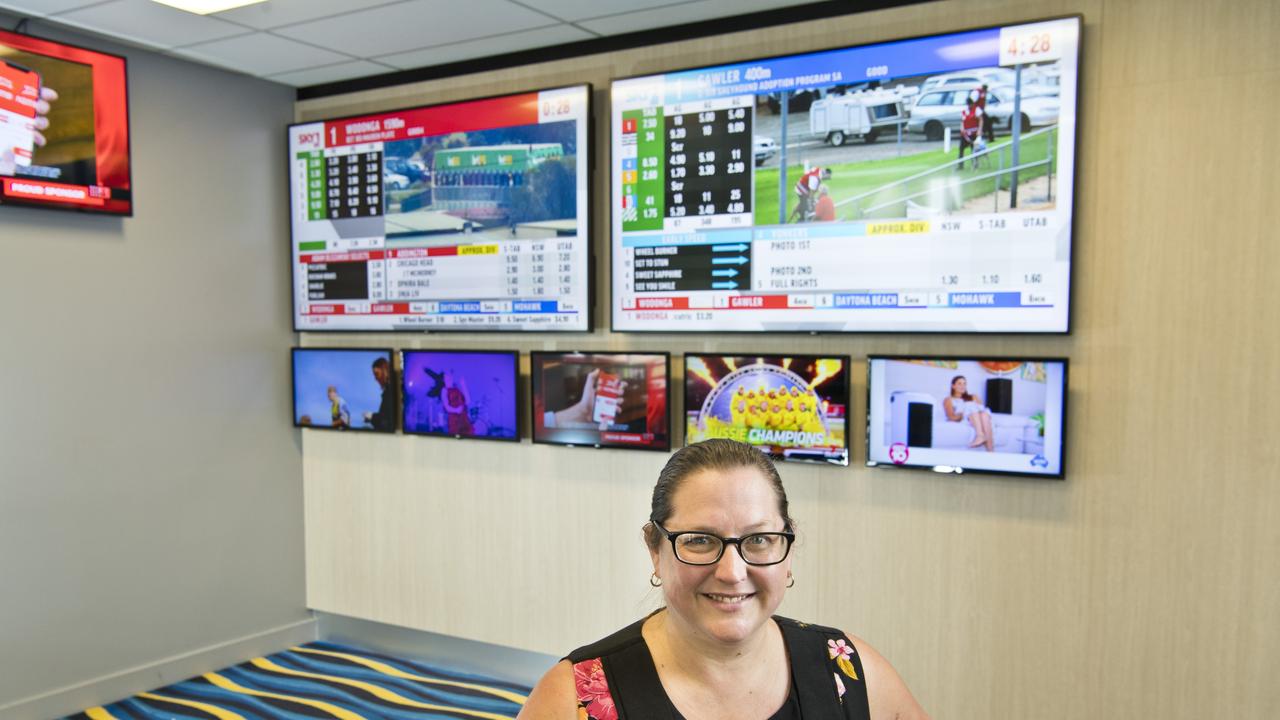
(601, 400)
(64, 127)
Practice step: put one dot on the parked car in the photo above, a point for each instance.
(941, 108)
(1034, 80)
(394, 181)
(763, 147)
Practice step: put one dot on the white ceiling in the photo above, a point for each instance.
(308, 42)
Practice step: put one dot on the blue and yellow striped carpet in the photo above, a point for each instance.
(322, 680)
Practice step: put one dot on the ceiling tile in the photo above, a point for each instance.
(571, 10)
(681, 14)
(149, 23)
(415, 24)
(276, 13)
(331, 73)
(44, 7)
(261, 54)
(526, 40)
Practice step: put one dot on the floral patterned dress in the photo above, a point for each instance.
(616, 678)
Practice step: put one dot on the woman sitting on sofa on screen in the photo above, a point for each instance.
(962, 405)
(720, 540)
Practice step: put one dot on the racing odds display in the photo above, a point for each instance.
(466, 216)
(920, 185)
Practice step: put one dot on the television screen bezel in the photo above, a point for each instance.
(533, 387)
(1075, 200)
(128, 134)
(848, 373)
(515, 387)
(392, 381)
(1062, 421)
(589, 227)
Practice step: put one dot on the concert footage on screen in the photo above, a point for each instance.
(465, 216)
(461, 394)
(344, 389)
(919, 185)
(601, 400)
(64, 127)
(967, 415)
(792, 407)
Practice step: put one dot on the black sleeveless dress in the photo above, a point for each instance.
(616, 678)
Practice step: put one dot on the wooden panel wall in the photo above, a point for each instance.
(1144, 585)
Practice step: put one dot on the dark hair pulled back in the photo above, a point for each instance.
(714, 454)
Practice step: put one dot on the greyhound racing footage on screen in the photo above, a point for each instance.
(919, 185)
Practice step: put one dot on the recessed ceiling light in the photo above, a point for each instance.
(204, 7)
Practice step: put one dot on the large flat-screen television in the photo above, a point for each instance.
(793, 407)
(951, 414)
(461, 393)
(851, 190)
(351, 389)
(601, 399)
(466, 216)
(64, 127)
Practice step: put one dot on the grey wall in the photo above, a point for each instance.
(150, 482)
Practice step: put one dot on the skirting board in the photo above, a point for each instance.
(122, 684)
(446, 651)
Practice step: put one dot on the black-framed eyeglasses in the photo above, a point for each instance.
(702, 548)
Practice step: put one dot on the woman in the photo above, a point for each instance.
(720, 538)
(962, 405)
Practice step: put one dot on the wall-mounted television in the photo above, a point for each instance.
(462, 394)
(349, 389)
(793, 407)
(917, 185)
(465, 216)
(601, 399)
(950, 414)
(64, 127)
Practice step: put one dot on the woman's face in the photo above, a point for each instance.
(729, 601)
(959, 386)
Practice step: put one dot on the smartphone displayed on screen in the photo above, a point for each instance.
(19, 93)
(608, 397)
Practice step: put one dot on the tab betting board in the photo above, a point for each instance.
(466, 216)
(918, 185)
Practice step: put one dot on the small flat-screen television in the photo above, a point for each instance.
(461, 393)
(349, 389)
(958, 415)
(64, 127)
(601, 399)
(793, 407)
(464, 216)
(916, 185)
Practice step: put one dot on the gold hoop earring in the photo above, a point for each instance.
(792, 582)
(655, 581)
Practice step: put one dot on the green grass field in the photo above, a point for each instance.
(852, 179)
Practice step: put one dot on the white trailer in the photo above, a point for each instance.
(864, 114)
